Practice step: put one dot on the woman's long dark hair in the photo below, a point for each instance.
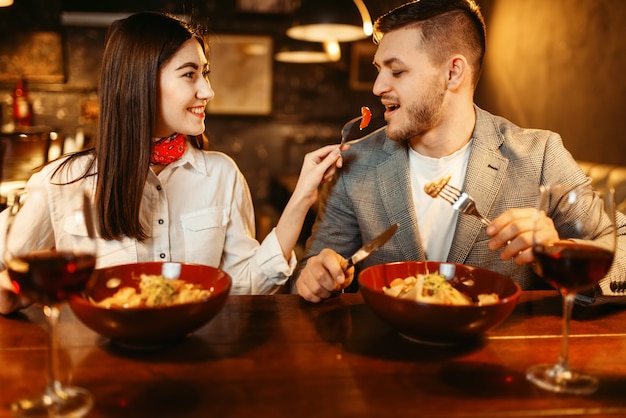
(136, 49)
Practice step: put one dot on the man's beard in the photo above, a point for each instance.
(421, 117)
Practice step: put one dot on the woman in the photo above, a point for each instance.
(159, 195)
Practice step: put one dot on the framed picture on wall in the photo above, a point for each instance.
(33, 56)
(362, 71)
(241, 74)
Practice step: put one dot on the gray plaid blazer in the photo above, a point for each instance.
(507, 164)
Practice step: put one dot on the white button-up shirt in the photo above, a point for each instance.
(197, 210)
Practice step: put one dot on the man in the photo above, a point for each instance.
(429, 61)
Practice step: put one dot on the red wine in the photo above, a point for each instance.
(51, 276)
(570, 266)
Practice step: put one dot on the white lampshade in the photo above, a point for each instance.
(331, 20)
(303, 52)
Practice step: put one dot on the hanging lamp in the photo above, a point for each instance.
(331, 20)
(302, 52)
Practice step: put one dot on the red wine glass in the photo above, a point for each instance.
(576, 261)
(48, 275)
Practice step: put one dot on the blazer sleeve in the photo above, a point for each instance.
(336, 226)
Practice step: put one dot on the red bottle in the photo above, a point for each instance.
(22, 115)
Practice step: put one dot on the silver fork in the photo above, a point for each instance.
(461, 202)
(346, 129)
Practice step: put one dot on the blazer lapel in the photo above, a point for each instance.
(395, 192)
(485, 174)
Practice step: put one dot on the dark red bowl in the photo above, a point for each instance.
(439, 324)
(143, 327)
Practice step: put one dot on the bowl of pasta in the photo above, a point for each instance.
(151, 304)
(438, 303)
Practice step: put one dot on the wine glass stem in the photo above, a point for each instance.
(568, 304)
(52, 316)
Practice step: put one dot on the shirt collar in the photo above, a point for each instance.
(192, 156)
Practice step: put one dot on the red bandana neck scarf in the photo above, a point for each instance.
(168, 149)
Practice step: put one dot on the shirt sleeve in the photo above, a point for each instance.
(272, 262)
(34, 227)
(255, 268)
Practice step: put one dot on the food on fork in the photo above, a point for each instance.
(459, 200)
(366, 117)
(436, 186)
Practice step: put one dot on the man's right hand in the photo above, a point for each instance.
(323, 275)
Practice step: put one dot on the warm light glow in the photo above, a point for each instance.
(365, 16)
(302, 52)
(368, 28)
(324, 31)
(302, 57)
(334, 30)
(6, 3)
(333, 49)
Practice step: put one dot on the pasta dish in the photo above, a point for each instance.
(155, 291)
(434, 288)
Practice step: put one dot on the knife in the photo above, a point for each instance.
(371, 246)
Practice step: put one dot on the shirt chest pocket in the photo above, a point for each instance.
(204, 233)
(110, 252)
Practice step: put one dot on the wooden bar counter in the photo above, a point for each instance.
(279, 356)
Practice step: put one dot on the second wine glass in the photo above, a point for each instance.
(581, 256)
(48, 265)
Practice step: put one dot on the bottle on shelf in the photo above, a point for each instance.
(22, 114)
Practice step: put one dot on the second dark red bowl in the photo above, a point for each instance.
(439, 324)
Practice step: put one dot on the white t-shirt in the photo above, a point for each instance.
(436, 218)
